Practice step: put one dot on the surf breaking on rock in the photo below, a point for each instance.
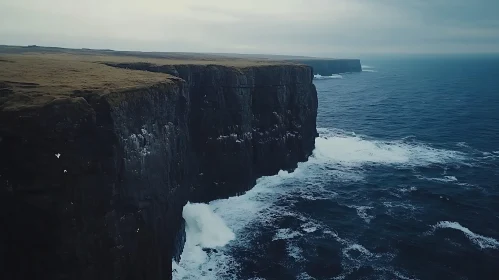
(260, 208)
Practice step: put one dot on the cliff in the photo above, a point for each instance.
(328, 67)
(98, 161)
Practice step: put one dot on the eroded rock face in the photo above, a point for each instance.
(92, 187)
(248, 123)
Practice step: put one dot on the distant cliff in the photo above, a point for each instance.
(328, 67)
(92, 183)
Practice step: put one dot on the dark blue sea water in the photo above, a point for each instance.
(403, 184)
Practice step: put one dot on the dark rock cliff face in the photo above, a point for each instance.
(92, 187)
(245, 123)
(328, 67)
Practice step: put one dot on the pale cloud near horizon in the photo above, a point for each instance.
(300, 27)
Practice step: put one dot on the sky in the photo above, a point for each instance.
(331, 28)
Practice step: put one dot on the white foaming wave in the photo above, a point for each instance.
(338, 155)
(490, 155)
(336, 237)
(483, 242)
(362, 212)
(479, 156)
(255, 206)
(203, 229)
(445, 179)
(310, 227)
(408, 190)
(294, 251)
(338, 147)
(285, 233)
(462, 145)
(367, 68)
(334, 76)
(357, 247)
(239, 211)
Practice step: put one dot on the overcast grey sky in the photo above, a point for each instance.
(300, 27)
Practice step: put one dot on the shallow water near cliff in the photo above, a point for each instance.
(403, 184)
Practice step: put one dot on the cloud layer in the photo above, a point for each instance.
(311, 27)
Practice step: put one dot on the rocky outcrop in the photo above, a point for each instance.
(92, 186)
(328, 67)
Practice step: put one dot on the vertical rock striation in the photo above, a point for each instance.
(245, 122)
(92, 186)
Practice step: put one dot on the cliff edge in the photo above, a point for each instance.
(100, 154)
(328, 67)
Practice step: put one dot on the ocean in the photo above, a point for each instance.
(403, 184)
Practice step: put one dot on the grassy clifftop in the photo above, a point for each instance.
(35, 80)
(32, 79)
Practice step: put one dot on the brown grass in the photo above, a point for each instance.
(34, 79)
(167, 60)
(54, 75)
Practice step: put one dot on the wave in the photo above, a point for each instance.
(362, 212)
(336, 146)
(408, 190)
(204, 230)
(367, 68)
(479, 155)
(334, 76)
(285, 233)
(445, 179)
(483, 242)
(463, 145)
(358, 248)
(339, 155)
(310, 227)
(294, 251)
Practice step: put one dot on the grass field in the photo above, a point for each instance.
(33, 76)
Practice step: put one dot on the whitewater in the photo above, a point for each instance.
(391, 191)
(224, 225)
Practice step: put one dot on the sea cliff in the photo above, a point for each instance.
(328, 67)
(99, 155)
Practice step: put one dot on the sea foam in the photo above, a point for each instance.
(204, 230)
(334, 76)
(230, 223)
(367, 68)
(483, 242)
(344, 149)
